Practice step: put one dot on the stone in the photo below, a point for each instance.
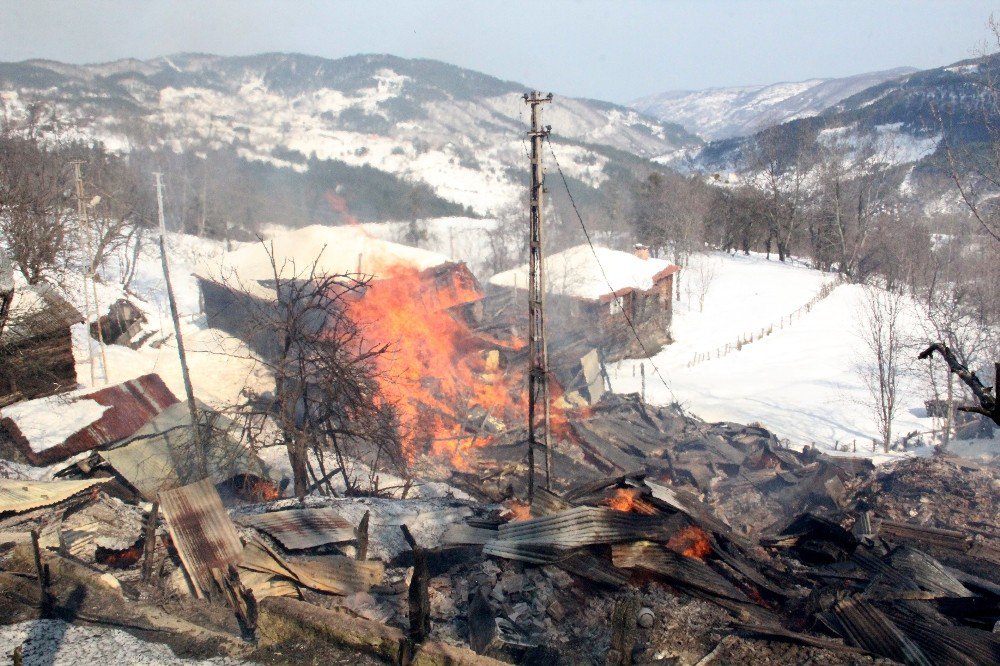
(556, 611)
(645, 618)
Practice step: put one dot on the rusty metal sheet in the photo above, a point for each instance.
(302, 528)
(202, 532)
(131, 405)
(18, 496)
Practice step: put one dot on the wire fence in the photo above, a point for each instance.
(749, 337)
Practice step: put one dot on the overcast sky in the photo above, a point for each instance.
(615, 50)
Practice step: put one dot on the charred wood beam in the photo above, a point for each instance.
(989, 405)
(362, 549)
(419, 600)
(624, 631)
(149, 546)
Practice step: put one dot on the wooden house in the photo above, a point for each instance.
(36, 344)
(239, 296)
(597, 293)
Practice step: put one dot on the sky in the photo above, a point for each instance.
(612, 50)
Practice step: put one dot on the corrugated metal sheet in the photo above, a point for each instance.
(132, 405)
(681, 570)
(17, 496)
(587, 525)
(302, 528)
(202, 532)
(160, 455)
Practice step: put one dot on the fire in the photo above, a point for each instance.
(436, 371)
(119, 559)
(629, 500)
(692, 541)
(515, 511)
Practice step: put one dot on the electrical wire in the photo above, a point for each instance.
(607, 280)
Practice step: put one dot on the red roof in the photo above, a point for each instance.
(132, 405)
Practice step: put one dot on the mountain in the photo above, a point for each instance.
(460, 132)
(722, 113)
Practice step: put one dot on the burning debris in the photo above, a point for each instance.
(625, 569)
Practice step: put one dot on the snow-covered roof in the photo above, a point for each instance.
(576, 272)
(339, 249)
(50, 429)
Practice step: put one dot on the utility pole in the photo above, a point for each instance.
(538, 377)
(199, 447)
(90, 273)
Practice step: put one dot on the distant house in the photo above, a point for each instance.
(51, 429)
(598, 296)
(241, 291)
(36, 344)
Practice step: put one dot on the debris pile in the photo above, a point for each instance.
(619, 570)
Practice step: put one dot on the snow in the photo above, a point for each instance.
(802, 381)
(577, 272)
(57, 643)
(333, 250)
(48, 422)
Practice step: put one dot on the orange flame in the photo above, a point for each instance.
(515, 510)
(435, 372)
(691, 541)
(629, 500)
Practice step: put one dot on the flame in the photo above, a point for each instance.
(515, 510)
(119, 559)
(692, 541)
(435, 371)
(629, 500)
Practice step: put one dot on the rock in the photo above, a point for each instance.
(556, 611)
(512, 583)
(645, 618)
(560, 579)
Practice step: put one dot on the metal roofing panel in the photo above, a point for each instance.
(160, 455)
(302, 528)
(17, 496)
(201, 530)
(586, 525)
(132, 405)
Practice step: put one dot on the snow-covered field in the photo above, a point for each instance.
(802, 380)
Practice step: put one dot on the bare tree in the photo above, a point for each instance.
(506, 239)
(326, 397)
(701, 281)
(35, 206)
(880, 331)
(774, 167)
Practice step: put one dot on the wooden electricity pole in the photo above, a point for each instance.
(538, 377)
(199, 447)
(84, 223)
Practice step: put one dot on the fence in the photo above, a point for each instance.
(750, 337)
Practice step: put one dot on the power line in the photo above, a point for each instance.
(607, 280)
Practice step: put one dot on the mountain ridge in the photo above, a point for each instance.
(730, 111)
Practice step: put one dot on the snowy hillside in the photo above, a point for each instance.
(459, 131)
(802, 380)
(721, 113)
